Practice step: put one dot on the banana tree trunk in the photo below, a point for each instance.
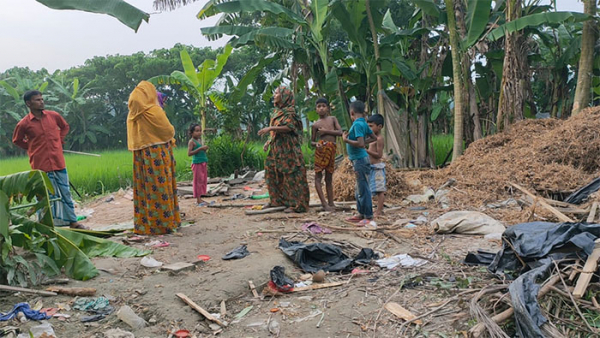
(203, 123)
(376, 48)
(586, 60)
(514, 72)
(457, 80)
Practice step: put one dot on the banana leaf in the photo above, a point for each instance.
(129, 15)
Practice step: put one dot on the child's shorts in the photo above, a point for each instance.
(377, 179)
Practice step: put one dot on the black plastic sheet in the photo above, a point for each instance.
(320, 256)
(582, 194)
(537, 244)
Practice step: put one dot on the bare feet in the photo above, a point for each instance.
(328, 208)
(77, 225)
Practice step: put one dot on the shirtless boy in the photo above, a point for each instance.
(377, 180)
(324, 134)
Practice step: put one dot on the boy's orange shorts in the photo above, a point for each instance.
(325, 157)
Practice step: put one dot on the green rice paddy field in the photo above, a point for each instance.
(113, 169)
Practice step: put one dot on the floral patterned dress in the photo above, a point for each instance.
(285, 172)
(156, 209)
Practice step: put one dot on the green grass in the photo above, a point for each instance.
(95, 175)
(113, 170)
(442, 144)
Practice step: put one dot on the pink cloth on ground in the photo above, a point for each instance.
(200, 179)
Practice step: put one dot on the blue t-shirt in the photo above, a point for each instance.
(359, 128)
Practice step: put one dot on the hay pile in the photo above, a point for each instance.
(551, 157)
(344, 182)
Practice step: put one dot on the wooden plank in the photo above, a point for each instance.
(253, 289)
(18, 289)
(199, 309)
(591, 264)
(402, 313)
(544, 204)
(592, 215)
(560, 203)
(317, 286)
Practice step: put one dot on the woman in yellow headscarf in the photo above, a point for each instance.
(150, 137)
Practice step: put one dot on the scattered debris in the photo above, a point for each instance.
(264, 210)
(27, 311)
(150, 262)
(99, 305)
(318, 286)
(320, 256)
(118, 333)
(401, 312)
(178, 267)
(242, 313)
(72, 291)
(237, 253)
(403, 259)
(467, 222)
(43, 330)
(127, 315)
(25, 290)
(252, 288)
(279, 281)
(274, 327)
(200, 310)
(157, 244)
(319, 277)
(315, 228)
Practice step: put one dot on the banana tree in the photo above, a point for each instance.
(27, 193)
(71, 104)
(299, 36)
(199, 81)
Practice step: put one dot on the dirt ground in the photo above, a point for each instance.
(354, 309)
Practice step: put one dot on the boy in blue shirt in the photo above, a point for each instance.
(360, 135)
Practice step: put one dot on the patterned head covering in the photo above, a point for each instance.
(287, 97)
(161, 99)
(282, 109)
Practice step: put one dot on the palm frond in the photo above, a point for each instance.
(169, 5)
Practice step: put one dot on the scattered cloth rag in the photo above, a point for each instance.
(27, 311)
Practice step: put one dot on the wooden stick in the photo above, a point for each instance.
(592, 214)
(477, 330)
(544, 204)
(18, 289)
(80, 153)
(591, 265)
(264, 211)
(317, 286)
(72, 291)
(360, 228)
(200, 310)
(253, 289)
(223, 309)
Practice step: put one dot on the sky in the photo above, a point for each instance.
(38, 37)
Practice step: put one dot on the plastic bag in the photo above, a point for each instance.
(237, 253)
(281, 282)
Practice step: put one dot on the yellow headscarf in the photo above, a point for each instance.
(147, 123)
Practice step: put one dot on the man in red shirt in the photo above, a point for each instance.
(42, 134)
